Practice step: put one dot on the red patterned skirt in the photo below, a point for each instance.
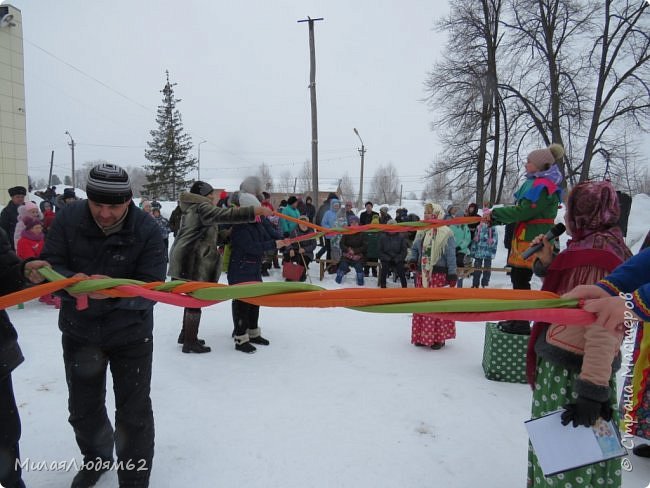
(427, 329)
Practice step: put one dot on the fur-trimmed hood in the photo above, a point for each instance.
(186, 198)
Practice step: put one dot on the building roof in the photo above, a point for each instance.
(231, 184)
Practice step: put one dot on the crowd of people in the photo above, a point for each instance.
(240, 233)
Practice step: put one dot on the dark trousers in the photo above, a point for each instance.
(10, 474)
(326, 249)
(460, 262)
(482, 263)
(520, 278)
(85, 371)
(386, 267)
(345, 265)
(323, 249)
(166, 242)
(366, 269)
(244, 316)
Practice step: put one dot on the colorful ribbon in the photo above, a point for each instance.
(451, 303)
(400, 227)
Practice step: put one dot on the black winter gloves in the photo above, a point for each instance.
(585, 412)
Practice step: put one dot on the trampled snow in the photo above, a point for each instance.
(339, 399)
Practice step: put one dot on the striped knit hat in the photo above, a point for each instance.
(108, 184)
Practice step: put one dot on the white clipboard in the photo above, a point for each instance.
(561, 448)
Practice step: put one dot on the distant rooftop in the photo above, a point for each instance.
(231, 184)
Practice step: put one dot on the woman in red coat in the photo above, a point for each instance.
(31, 241)
(30, 245)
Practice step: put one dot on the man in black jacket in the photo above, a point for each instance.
(108, 235)
(366, 216)
(393, 248)
(9, 214)
(13, 275)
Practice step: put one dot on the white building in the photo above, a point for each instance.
(13, 142)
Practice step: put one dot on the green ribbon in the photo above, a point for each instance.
(473, 305)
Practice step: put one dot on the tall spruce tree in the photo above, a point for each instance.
(168, 151)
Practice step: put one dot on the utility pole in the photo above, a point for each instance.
(362, 152)
(314, 124)
(49, 178)
(71, 144)
(198, 162)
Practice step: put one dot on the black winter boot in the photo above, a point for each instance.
(181, 338)
(242, 343)
(642, 450)
(520, 327)
(86, 478)
(255, 336)
(181, 335)
(191, 320)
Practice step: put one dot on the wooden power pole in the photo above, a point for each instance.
(314, 118)
(49, 178)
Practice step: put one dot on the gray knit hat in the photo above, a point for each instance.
(108, 184)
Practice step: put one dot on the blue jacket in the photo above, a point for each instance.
(330, 217)
(163, 225)
(249, 243)
(483, 246)
(286, 225)
(76, 244)
(462, 236)
(447, 261)
(633, 276)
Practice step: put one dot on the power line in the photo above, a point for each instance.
(112, 145)
(289, 151)
(148, 109)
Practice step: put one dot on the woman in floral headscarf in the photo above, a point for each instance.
(569, 366)
(434, 253)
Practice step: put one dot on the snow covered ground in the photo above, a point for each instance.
(339, 399)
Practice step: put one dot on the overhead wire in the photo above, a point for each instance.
(71, 66)
(152, 111)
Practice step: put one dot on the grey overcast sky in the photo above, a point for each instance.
(96, 68)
